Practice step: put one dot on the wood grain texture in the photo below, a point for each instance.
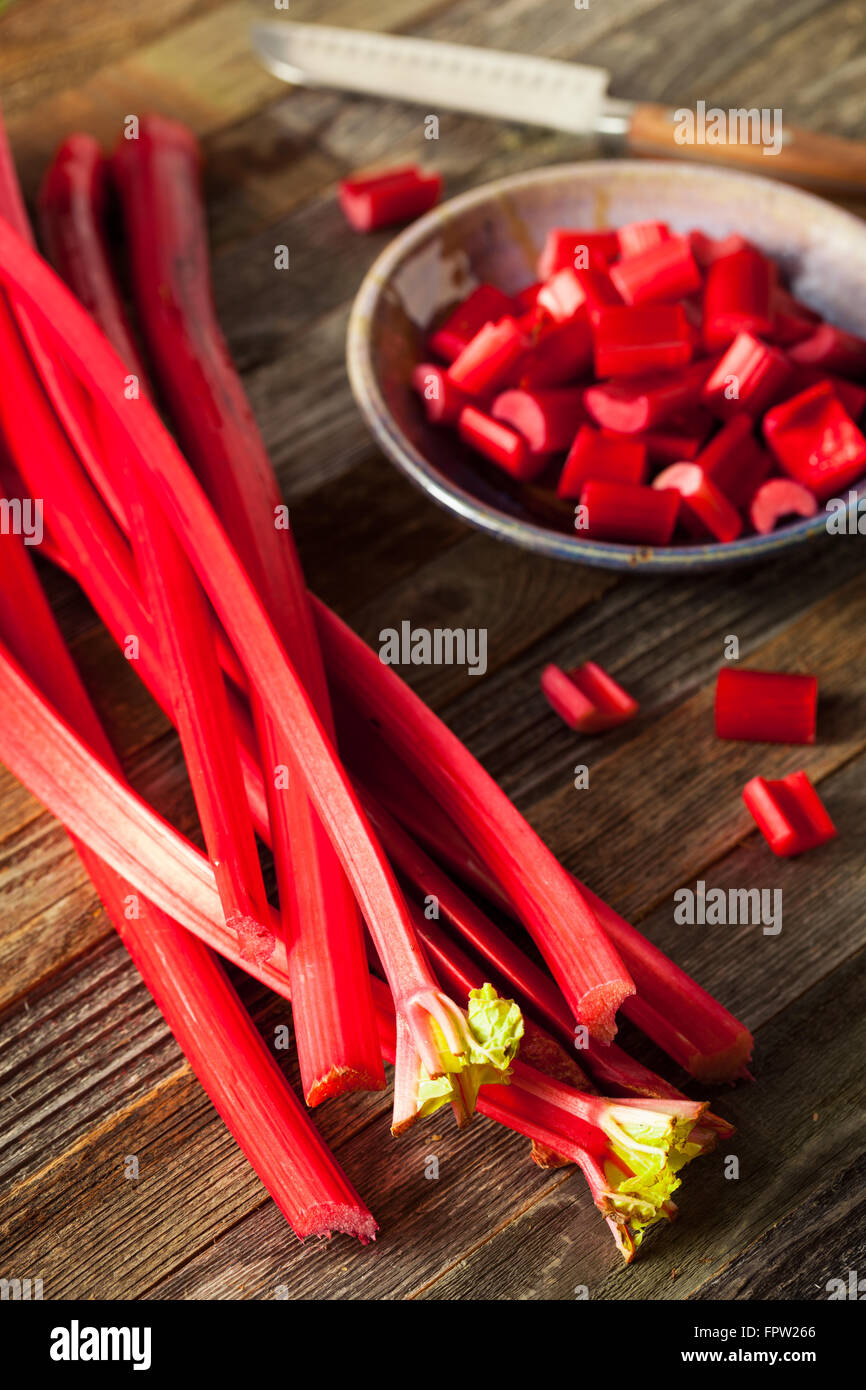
(88, 1073)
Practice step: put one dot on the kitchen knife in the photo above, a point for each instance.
(536, 91)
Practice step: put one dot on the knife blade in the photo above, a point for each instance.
(570, 97)
(478, 81)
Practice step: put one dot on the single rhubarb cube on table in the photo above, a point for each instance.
(587, 698)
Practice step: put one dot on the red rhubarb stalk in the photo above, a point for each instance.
(271, 674)
(196, 999)
(71, 220)
(158, 177)
(510, 969)
(11, 202)
(588, 971)
(187, 653)
(670, 1007)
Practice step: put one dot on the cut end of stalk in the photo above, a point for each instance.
(711, 1129)
(339, 1081)
(729, 1065)
(598, 1008)
(329, 1217)
(256, 941)
(625, 1242)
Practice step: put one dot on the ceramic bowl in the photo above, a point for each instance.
(495, 233)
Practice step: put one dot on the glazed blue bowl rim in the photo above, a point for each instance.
(483, 515)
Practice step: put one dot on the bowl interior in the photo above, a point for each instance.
(495, 234)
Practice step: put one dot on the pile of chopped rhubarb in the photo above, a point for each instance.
(297, 738)
(654, 387)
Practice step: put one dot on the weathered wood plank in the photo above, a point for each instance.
(46, 45)
(203, 72)
(823, 1240)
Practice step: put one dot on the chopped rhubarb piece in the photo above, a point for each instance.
(395, 195)
(631, 341)
(572, 247)
(707, 249)
(487, 358)
(485, 304)
(566, 293)
(735, 461)
(503, 446)
(789, 814)
(547, 420)
(598, 288)
(703, 507)
(527, 298)
(679, 442)
(643, 402)
(635, 237)
(562, 296)
(559, 354)
(790, 325)
(765, 706)
(852, 396)
(443, 401)
(664, 270)
(738, 297)
(747, 379)
(834, 350)
(816, 441)
(594, 455)
(778, 498)
(627, 512)
(587, 698)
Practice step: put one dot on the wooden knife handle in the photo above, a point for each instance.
(821, 160)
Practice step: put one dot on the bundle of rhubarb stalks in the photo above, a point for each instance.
(295, 737)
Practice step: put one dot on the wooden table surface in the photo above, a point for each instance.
(88, 1072)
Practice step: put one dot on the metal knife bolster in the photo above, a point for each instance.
(510, 86)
